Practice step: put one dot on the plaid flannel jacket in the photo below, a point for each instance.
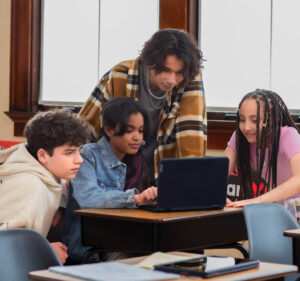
(182, 130)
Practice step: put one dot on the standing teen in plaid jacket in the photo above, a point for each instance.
(166, 79)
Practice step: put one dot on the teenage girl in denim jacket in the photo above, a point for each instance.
(113, 173)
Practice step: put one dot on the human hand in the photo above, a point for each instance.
(228, 201)
(147, 196)
(61, 251)
(242, 203)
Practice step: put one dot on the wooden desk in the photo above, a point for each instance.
(135, 230)
(295, 234)
(266, 271)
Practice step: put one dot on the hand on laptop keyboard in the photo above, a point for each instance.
(147, 196)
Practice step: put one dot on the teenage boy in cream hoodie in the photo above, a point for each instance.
(31, 173)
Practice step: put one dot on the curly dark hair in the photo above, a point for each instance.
(54, 128)
(176, 42)
(276, 115)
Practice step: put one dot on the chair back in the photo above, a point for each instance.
(24, 250)
(265, 224)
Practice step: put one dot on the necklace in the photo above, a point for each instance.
(159, 100)
(155, 96)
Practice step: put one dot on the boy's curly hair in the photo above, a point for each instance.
(54, 128)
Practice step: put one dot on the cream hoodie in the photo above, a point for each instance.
(29, 193)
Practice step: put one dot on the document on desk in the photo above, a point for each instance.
(112, 271)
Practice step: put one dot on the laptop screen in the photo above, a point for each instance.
(193, 183)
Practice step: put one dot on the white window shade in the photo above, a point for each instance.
(286, 51)
(125, 26)
(235, 41)
(69, 49)
(84, 39)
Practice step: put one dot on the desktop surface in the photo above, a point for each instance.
(266, 271)
(146, 216)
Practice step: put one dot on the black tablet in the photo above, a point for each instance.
(208, 266)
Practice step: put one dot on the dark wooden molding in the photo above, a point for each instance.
(20, 119)
(24, 61)
(219, 133)
(220, 125)
(180, 14)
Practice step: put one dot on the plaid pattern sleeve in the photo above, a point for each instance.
(183, 129)
(121, 80)
(92, 107)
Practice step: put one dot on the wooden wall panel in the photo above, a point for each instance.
(180, 14)
(219, 133)
(24, 61)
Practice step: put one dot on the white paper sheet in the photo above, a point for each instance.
(112, 271)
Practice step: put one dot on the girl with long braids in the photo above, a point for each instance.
(266, 141)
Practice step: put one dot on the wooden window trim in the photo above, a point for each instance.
(25, 51)
(25, 48)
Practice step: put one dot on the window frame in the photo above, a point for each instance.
(25, 52)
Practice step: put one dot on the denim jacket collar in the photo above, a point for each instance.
(110, 159)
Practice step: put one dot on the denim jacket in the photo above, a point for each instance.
(98, 184)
